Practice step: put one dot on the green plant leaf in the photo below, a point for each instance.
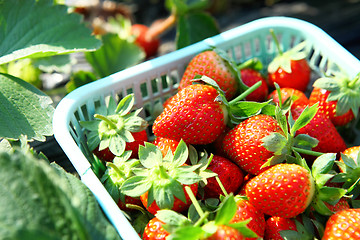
(114, 55)
(38, 198)
(24, 109)
(79, 79)
(226, 210)
(40, 28)
(304, 118)
(245, 109)
(323, 164)
(194, 27)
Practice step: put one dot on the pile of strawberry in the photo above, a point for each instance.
(235, 154)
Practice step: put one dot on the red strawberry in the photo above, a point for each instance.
(224, 232)
(245, 210)
(193, 114)
(115, 129)
(249, 77)
(342, 204)
(338, 97)
(154, 230)
(178, 205)
(276, 224)
(351, 152)
(212, 64)
(243, 144)
(343, 225)
(290, 68)
(149, 44)
(299, 97)
(226, 170)
(165, 144)
(321, 128)
(283, 190)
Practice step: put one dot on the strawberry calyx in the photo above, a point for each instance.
(349, 174)
(117, 172)
(283, 59)
(285, 144)
(342, 89)
(162, 177)
(237, 109)
(322, 172)
(113, 125)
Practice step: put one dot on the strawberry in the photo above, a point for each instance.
(298, 97)
(243, 144)
(149, 44)
(216, 65)
(283, 190)
(343, 225)
(250, 74)
(178, 205)
(274, 225)
(154, 230)
(349, 166)
(160, 181)
(192, 115)
(321, 128)
(165, 145)
(224, 232)
(290, 68)
(342, 204)
(245, 210)
(338, 97)
(114, 127)
(225, 170)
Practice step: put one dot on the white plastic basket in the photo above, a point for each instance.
(155, 80)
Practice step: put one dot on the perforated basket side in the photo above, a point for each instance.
(155, 80)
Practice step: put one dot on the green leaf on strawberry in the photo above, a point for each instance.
(283, 59)
(117, 172)
(322, 172)
(284, 145)
(162, 177)
(342, 89)
(113, 125)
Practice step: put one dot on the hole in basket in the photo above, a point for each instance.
(237, 53)
(144, 91)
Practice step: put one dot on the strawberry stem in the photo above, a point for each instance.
(353, 82)
(117, 170)
(308, 152)
(194, 201)
(221, 186)
(157, 29)
(107, 120)
(246, 93)
(277, 44)
(136, 207)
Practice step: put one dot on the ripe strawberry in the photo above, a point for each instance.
(338, 97)
(149, 44)
(165, 144)
(178, 205)
(343, 225)
(342, 204)
(192, 115)
(160, 181)
(245, 210)
(290, 68)
(224, 232)
(226, 170)
(321, 128)
(349, 166)
(115, 129)
(283, 190)
(215, 65)
(298, 97)
(243, 144)
(154, 230)
(274, 225)
(249, 77)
